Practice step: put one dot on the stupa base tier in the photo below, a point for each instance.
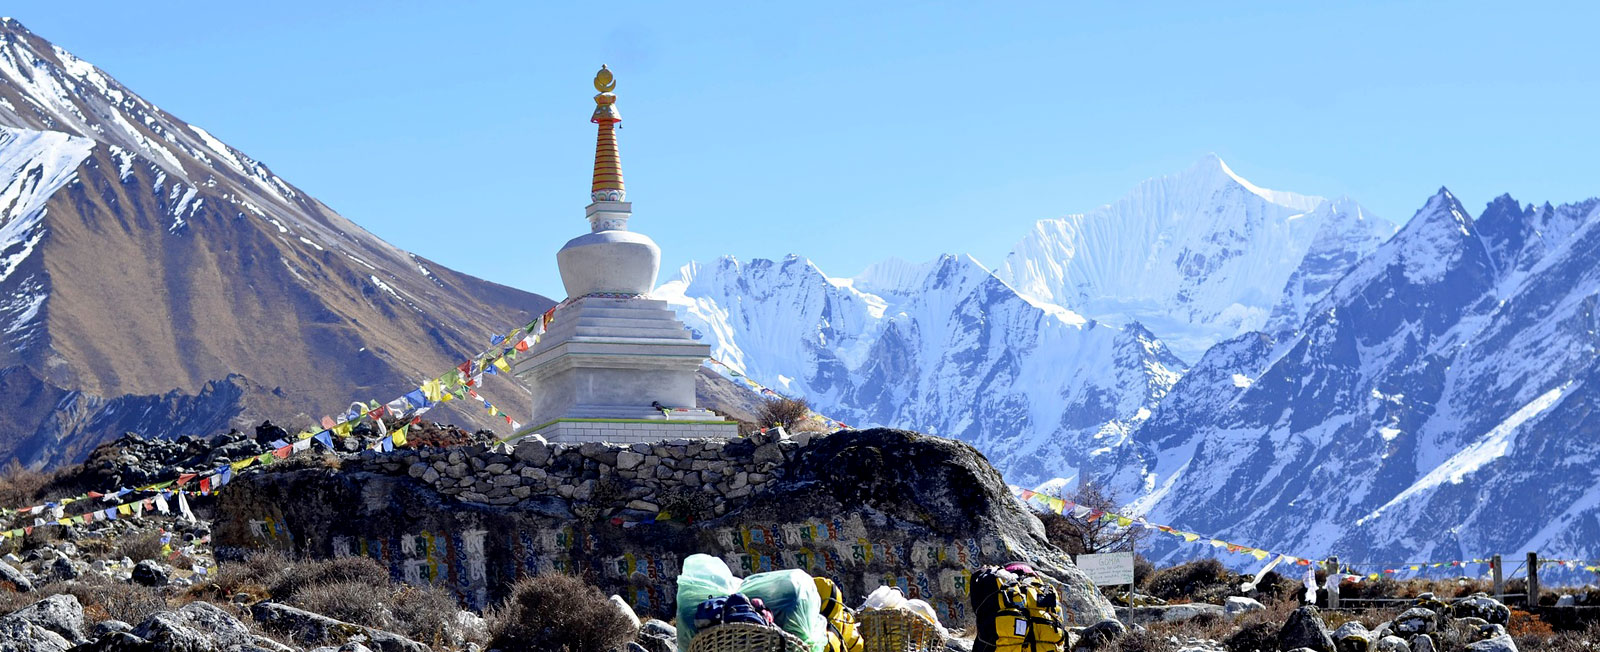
(634, 431)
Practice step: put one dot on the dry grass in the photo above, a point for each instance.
(139, 548)
(105, 598)
(353, 589)
(292, 578)
(558, 613)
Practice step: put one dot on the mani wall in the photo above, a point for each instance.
(863, 507)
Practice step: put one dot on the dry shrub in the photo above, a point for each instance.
(250, 576)
(1202, 580)
(1141, 643)
(353, 602)
(424, 613)
(139, 548)
(104, 598)
(352, 589)
(1587, 640)
(1523, 623)
(11, 600)
(785, 412)
(1256, 637)
(556, 612)
(21, 486)
(298, 575)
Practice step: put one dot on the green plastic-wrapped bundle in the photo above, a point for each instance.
(703, 577)
(791, 596)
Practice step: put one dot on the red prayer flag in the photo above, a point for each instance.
(185, 478)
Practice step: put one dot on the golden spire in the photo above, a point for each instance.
(607, 184)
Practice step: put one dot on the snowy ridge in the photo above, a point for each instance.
(1196, 257)
(33, 166)
(948, 349)
(1434, 403)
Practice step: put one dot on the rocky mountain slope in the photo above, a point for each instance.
(1436, 403)
(153, 278)
(945, 346)
(1197, 257)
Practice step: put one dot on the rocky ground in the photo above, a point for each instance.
(152, 584)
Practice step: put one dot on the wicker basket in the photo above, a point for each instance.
(745, 637)
(898, 630)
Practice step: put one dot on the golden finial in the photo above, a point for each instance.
(604, 81)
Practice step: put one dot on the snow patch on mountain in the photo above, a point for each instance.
(1196, 257)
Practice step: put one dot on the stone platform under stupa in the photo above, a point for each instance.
(614, 365)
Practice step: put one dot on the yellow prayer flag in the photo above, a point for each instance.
(343, 429)
(1191, 537)
(1124, 521)
(1258, 554)
(500, 363)
(399, 436)
(125, 509)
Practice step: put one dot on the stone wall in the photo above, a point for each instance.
(866, 508)
(632, 431)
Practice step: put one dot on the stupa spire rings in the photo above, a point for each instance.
(607, 185)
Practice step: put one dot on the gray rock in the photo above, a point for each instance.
(1236, 605)
(1101, 635)
(628, 460)
(61, 571)
(1422, 643)
(23, 636)
(109, 626)
(117, 642)
(1352, 637)
(1480, 605)
(657, 636)
(1305, 629)
(768, 453)
(58, 613)
(151, 573)
(1416, 620)
(1391, 643)
(1169, 613)
(196, 627)
(315, 629)
(1498, 643)
(9, 573)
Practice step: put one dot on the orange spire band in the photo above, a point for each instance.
(607, 185)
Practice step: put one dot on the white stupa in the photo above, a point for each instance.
(614, 365)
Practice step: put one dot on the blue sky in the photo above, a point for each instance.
(850, 132)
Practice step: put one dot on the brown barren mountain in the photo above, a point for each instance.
(154, 279)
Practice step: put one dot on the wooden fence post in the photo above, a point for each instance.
(1533, 580)
(1333, 587)
(1498, 571)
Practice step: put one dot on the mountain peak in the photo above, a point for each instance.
(1212, 170)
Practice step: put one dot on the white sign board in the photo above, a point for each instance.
(1108, 569)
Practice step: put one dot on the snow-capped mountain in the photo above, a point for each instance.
(944, 347)
(1197, 257)
(1435, 404)
(152, 278)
